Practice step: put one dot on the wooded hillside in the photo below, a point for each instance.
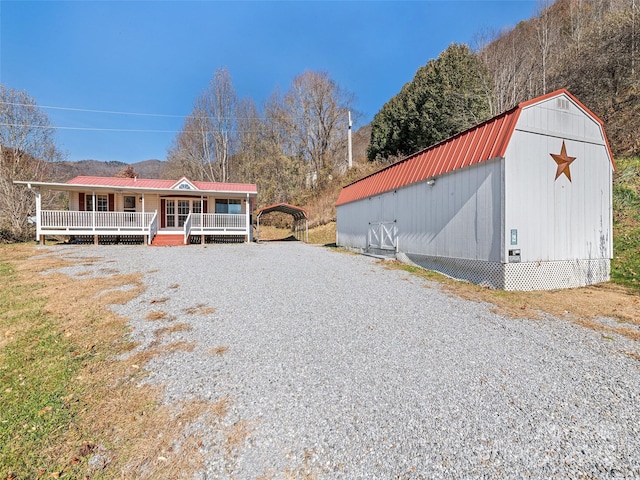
(589, 47)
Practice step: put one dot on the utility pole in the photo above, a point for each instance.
(349, 142)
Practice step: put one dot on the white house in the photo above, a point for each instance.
(158, 212)
(519, 202)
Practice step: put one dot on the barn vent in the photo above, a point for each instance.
(563, 103)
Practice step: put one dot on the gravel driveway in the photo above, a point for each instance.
(341, 368)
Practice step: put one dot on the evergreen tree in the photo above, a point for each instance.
(446, 96)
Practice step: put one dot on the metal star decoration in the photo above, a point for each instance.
(563, 161)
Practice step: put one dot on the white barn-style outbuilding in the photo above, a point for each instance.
(519, 202)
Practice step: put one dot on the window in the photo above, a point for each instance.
(228, 206)
(102, 202)
(196, 207)
(129, 203)
(170, 212)
(183, 212)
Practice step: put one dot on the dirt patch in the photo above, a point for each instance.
(158, 315)
(217, 351)
(200, 309)
(159, 300)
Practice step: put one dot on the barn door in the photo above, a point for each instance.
(383, 229)
(382, 235)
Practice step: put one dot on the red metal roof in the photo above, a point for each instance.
(152, 183)
(483, 142)
(296, 212)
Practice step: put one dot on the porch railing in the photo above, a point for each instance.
(219, 221)
(187, 227)
(63, 222)
(153, 227)
(71, 220)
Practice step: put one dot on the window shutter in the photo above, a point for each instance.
(163, 219)
(112, 202)
(81, 204)
(204, 206)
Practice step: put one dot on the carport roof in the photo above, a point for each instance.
(298, 213)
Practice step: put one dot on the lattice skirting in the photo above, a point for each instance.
(517, 276)
(108, 239)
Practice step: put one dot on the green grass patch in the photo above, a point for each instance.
(36, 368)
(625, 267)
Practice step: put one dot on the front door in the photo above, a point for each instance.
(176, 211)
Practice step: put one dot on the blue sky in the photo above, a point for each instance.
(156, 57)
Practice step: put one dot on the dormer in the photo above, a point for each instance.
(184, 184)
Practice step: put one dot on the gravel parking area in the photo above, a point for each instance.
(340, 368)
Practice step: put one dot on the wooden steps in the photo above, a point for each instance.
(168, 240)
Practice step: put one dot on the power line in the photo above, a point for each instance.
(115, 112)
(89, 110)
(140, 114)
(134, 130)
(92, 129)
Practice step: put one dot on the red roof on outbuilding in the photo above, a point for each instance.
(483, 142)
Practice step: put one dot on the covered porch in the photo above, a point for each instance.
(65, 222)
(102, 209)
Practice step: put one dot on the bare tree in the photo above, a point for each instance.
(578, 20)
(317, 120)
(218, 103)
(26, 145)
(203, 148)
(546, 32)
(190, 155)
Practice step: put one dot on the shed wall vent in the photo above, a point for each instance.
(563, 103)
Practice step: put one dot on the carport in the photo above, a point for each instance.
(300, 219)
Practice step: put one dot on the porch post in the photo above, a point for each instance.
(258, 228)
(143, 204)
(202, 212)
(39, 236)
(248, 219)
(93, 218)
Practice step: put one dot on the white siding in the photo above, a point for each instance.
(458, 217)
(559, 115)
(74, 203)
(151, 203)
(352, 224)
(558, 219)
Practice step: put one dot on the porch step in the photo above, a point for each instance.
(168, 240)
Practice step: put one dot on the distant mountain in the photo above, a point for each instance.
(66, 170)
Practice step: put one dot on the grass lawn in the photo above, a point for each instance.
(70, 404)
(37, 365)
(625, 267)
